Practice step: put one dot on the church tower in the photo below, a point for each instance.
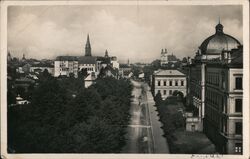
(88, 47)
(106, 54)
(164, 57)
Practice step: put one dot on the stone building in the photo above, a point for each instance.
(215, 90)
(65, 65)
(167, 82)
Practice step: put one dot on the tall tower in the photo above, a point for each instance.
(88, 47)
(106, 54)
(164, 57)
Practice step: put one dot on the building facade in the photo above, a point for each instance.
(167, 82)
(65, 65)
(215, 90)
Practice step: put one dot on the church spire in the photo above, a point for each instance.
(88, 47)
(106, 54)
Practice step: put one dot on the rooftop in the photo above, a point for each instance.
(168, 73)
(86, 60)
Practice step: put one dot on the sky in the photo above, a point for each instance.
(137, 33)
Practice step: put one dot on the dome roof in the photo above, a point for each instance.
(214, 44)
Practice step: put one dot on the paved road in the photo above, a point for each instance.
(136, 128)
(143, 134)
(160, 142)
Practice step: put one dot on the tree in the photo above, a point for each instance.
(158, 99)
(184, 60)
(82, 73)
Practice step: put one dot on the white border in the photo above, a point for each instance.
(5, 4)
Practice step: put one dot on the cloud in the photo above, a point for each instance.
(127, 32)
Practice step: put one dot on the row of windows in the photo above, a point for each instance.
(171, 83)
(215, 117)
(88, 64)
(218, 102)
(90, 69)
(215, 99)
(213, 78)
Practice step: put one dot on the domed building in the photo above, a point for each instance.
(215, 91)
(214, 45)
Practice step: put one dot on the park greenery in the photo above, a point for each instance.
(171, 118)
(66, 117)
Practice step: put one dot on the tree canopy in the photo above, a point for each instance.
(92, 121)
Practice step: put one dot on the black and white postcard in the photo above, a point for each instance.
(125, 79)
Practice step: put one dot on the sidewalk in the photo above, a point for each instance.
(160, 142)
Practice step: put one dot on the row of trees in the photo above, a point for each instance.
(170, 117)
(65, 117)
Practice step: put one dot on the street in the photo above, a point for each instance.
(144, 131)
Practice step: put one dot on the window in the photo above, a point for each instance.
(159, 83)
(238, 128)
(176, 83)
(170, 92)
(165, 83)
(182, 83)
(164, 92)
(159, 91)
(238, 147)
(238, 105)
(238, 82)
(170, 83)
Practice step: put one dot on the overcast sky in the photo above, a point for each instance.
(137, 33)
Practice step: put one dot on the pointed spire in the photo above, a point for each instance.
(88, 47)
(106, 54)
(88, 39)
(219, 19)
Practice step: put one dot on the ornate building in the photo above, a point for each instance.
(167, 59)
(64, 65)
(215, 90)
(167, 82)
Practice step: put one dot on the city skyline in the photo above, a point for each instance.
(138, 35)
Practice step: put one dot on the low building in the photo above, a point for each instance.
(125, 71)
(66, 65)
(168, 81)
(41, 67)
(89, 80)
